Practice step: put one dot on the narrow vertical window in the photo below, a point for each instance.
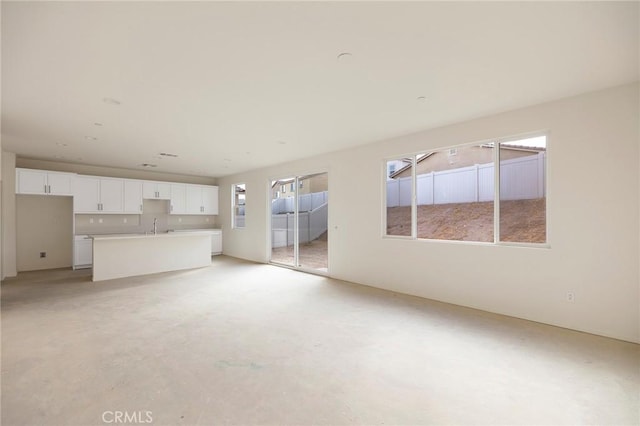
(239, 198)
(399, 195)
(523, 190)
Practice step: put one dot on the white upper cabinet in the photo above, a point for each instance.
(194, 199)
(202, 199)
(86, 197)
(43, 182)
(132, 196)
(98, 195)
(178, 199)
(156, 190)
(111, 195)
(210, 200)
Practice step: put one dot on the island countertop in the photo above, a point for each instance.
(128, 255)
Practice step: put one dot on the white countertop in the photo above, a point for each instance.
(138, 236)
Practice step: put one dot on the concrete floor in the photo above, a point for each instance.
(242, 343)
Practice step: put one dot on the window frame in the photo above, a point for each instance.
(496, 208)
(234, 224)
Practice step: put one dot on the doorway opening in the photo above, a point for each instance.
(299, 222)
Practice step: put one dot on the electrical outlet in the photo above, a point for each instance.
(571, 297)
(43, 254)
(179, 220)
(124, 220)
(90, 220)
(207, 220)
(100, 220)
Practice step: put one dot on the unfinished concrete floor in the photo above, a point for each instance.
(243, 343)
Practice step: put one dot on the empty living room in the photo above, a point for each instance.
(320, 213)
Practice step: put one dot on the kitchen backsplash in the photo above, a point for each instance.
(133, 223)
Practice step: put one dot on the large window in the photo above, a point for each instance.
(459, 194)
(239, 193)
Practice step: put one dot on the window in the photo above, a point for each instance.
(399, 195)
(239, 193)
(470, 199)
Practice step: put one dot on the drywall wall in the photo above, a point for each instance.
(133, 223)
(111, 171)
(44, 224)
(593, 227)
(9, 214)
(1, 234)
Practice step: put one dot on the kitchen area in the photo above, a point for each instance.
(117, 226)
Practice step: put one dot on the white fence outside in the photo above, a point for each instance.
(307, 202)
(520, 179)
(312, 217)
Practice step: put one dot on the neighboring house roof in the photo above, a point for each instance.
(419, 158)
(422, 157)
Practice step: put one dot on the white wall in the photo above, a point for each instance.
(1, 234)
(9, 214)
(593, 148)
(84, 169)
(44, 224)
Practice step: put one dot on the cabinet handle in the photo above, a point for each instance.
(49, 188)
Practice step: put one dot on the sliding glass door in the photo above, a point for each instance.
(299, 222)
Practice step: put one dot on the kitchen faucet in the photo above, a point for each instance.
(155, 225)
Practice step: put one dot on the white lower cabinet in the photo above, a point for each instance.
(82, 252)
(216, 242)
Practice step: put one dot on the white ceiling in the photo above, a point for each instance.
(236, 86)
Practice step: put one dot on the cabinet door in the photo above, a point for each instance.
(216, 243)
(111, 195)
(164, 191)
(194, 199)
(30, 181)
(178, 199)
(83, 252)
(86, 194)
(210, 199)
(149, 190)
(60, 183)
(133, 196)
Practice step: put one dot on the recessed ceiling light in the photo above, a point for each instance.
(97, 124)
(148, 165)
(421, 98)
(166, 154)
(91, 138)
(345, 57)
(111, 101)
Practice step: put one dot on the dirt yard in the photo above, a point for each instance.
(520, 221)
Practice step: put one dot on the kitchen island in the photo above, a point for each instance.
(128, 255)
